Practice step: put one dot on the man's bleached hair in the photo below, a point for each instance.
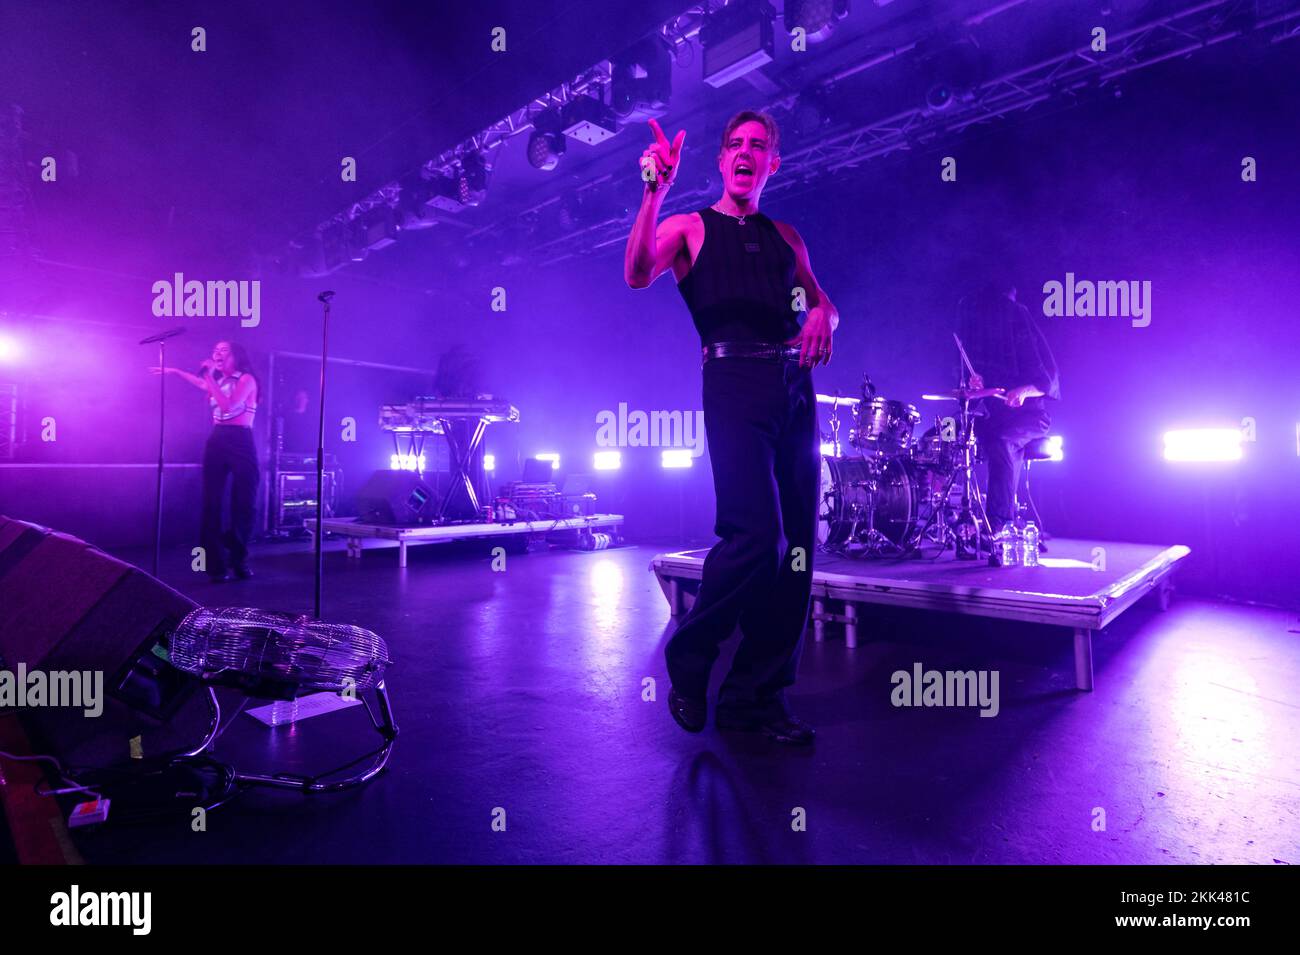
(754, 116)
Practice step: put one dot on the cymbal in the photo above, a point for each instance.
(967, 394)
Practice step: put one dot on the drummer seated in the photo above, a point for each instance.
(1011, 354)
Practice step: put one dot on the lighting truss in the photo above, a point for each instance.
(487, 140)
(1062, 77)
(677, 33)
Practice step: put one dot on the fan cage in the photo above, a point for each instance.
(270, 645)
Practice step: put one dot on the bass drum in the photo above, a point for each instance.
(859, 493)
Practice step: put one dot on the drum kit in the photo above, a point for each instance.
(886, 494)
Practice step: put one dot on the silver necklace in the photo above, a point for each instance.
(739, 219)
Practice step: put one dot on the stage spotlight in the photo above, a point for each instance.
(1203, 444)
(641, 81)
(334, 250)
(10, 350)
(545, 150)
(443, 194)
(413, 210)
(377, 228)
(307, 256)
(817, 17)
(737, 38)
(354, 239)
(828, 449)
(549, 456)
(608, 460)
(954, 68)
(808, 115)
(406, 462)
(676, 458)
(588, 120)
(472, 178)
(1056, 447)
(940, 97)
(341, 243)
(489, 462)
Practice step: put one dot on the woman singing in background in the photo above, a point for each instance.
(227, 378)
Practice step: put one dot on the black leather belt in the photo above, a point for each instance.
(765, 350)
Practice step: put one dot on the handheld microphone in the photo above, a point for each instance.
(653, 184)
(325, 297)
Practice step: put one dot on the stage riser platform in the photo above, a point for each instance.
(1081, 586)
(355, 532)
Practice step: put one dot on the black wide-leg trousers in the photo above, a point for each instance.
(1003, 435)
(760, 418)
(230, 456)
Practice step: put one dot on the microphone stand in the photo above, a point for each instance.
(324, 299)
(161, 340)
(162, 420)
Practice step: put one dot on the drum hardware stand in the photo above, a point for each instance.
(971, 515)
(874, 543)
(835, 429)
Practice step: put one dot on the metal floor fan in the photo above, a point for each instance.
(280, 656)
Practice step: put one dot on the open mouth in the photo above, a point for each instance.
(744, 171)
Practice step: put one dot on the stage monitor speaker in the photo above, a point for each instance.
(399, 498)
(70, 613)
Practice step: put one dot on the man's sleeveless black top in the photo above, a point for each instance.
(740, 288)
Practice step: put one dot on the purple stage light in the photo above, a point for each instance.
(608, 460)
(10, 350)
(676, 458)
(1203, 444)
(406, 462)
(549, 456)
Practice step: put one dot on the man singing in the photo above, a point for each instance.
(745, 278)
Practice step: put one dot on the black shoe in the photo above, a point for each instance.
(691, 715)
(781, 728)
(242, 571)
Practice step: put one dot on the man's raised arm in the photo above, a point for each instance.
(652, 246)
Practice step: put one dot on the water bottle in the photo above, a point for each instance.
(284, 711)
(1031, 545)
(1004, 545)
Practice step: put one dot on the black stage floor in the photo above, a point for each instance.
(522, 690)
